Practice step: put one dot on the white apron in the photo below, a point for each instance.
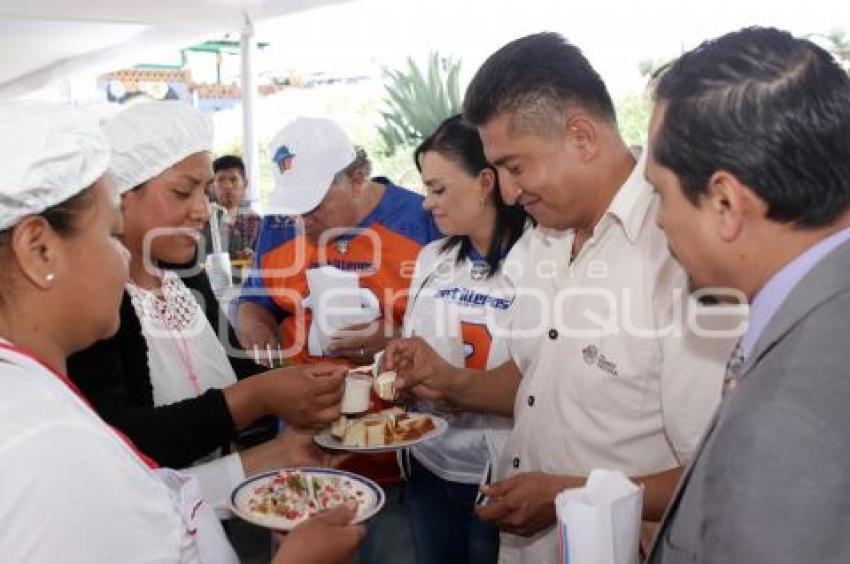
(204, 541)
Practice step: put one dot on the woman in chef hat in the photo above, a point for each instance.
(173, 378)
(74, 489)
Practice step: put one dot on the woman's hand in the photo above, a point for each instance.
(326, 538)
(291, 449)
(299, 449)
(306, 396)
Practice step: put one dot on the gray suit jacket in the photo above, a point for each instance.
(770, 482)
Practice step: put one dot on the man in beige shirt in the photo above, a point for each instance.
(614, 364)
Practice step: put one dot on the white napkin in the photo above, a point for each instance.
(220, 273)
(337, 301)
(600, 522)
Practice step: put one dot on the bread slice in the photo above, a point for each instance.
(355, 435)
(377, 432)
(339, 427)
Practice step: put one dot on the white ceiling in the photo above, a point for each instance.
(46, 40)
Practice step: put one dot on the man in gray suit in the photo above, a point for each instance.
(750, 153)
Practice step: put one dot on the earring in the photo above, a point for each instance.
(481, 202)
(50, 277)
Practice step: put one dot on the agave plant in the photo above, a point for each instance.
(418, 102)
(840, 45)
(837, 42)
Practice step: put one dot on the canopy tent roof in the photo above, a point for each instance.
(45, 41)
(48, 40)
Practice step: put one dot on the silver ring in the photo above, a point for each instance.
(362, 351)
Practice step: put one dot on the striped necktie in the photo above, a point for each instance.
(733, 368)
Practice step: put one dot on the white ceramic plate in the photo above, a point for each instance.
(326, 440)
(373, 497)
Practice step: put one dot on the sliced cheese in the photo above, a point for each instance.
(385, 386)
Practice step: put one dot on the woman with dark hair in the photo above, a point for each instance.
(74, 489)
(172, 378)
(460, 299)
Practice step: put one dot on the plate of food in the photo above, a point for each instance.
(282, 499)
(370, 421)
(382, 431)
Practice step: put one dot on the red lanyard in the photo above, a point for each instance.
(76, 391)
(185, 358)
(179, 342)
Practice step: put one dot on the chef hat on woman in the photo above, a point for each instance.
(48, 154)
(149, 138)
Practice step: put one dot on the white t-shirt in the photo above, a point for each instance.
(71, 490)
(462, 314)
(185, 359)
(605, 385)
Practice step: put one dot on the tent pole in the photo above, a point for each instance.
(249, 98)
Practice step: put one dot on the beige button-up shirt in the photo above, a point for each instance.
(622, 369)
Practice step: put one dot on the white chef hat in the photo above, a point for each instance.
(48, 153)
(149, 138)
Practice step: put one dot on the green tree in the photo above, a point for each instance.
(648, 67)
(633, 112)
(839, 45)
(417, 102)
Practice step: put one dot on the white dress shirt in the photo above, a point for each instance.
(614, 375)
